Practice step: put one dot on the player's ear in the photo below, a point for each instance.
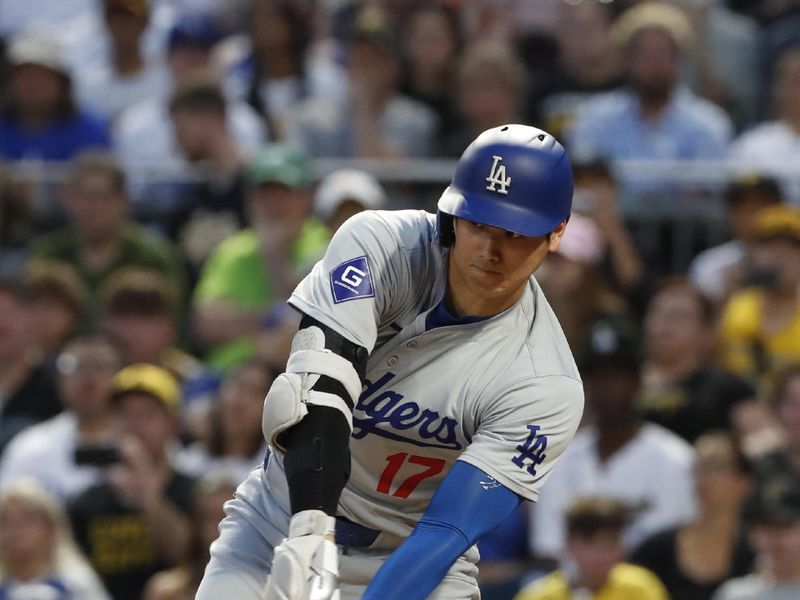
(554, 237)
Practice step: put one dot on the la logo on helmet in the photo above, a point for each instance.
(497, 176)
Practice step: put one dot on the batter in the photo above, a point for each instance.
(430, 390)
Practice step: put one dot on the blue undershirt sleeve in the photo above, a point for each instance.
(468, 504)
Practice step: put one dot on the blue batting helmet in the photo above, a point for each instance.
(513, 177)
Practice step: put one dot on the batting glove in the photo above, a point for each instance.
(306, 564)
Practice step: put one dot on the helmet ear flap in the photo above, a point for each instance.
(445, 227)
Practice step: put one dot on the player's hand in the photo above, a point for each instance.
(306, 564)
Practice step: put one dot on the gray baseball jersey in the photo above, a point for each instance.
(502, 394)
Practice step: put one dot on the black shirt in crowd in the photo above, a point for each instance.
(659, 554)
(117, 538)
(700, 403)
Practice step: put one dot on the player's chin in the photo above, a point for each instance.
(487, 274)
(489, 282)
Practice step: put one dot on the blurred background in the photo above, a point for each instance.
(170, 169)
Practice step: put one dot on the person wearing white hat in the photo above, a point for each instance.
(39, 118)
(345, 192)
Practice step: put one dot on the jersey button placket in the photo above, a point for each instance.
(392, 360)
(412, 344)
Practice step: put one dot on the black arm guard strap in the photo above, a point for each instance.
(317, 460)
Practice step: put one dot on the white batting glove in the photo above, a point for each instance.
(306, 564)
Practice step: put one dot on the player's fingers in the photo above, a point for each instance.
(305, 568)
(325, 567)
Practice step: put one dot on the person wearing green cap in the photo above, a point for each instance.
(238, 298)
(136, 520)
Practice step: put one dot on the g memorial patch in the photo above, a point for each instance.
(352, 280)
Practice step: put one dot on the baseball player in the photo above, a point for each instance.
(429, 391)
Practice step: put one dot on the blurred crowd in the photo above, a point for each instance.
(163, 189)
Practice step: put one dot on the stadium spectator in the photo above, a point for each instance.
(211, 492)
(490, 91)
(198, 113)
(38, 557)
(597, 196)
(345, 192)
(617, 454)
(144, 136)
(653, 117)
(139, 309)
(432, 42)
(232, 442)
(783, 400)
(575, 285)
(101, 238)
(57, 300)
(724, 63)
(588, 63)
(269, 72)
(190, 44)
(760, 325)
(374, 120)
(137, 521)
(127, 77)
(26, 386)
(780, 30)
(773, 517)
(255, 270)
(594, 541)
(47, 451)
(719, 271)
(694, 560)
(682, 389)
(39, 119)
(773, 147)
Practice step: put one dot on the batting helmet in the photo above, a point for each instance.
(513, 177)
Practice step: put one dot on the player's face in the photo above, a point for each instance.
(489, 267)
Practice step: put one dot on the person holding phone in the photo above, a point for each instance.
(136, 522)
(760, 324)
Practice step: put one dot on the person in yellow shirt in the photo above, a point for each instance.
(760, 325)
(596, 570)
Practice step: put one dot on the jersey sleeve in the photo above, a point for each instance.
(357, 281)
(523, 431)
